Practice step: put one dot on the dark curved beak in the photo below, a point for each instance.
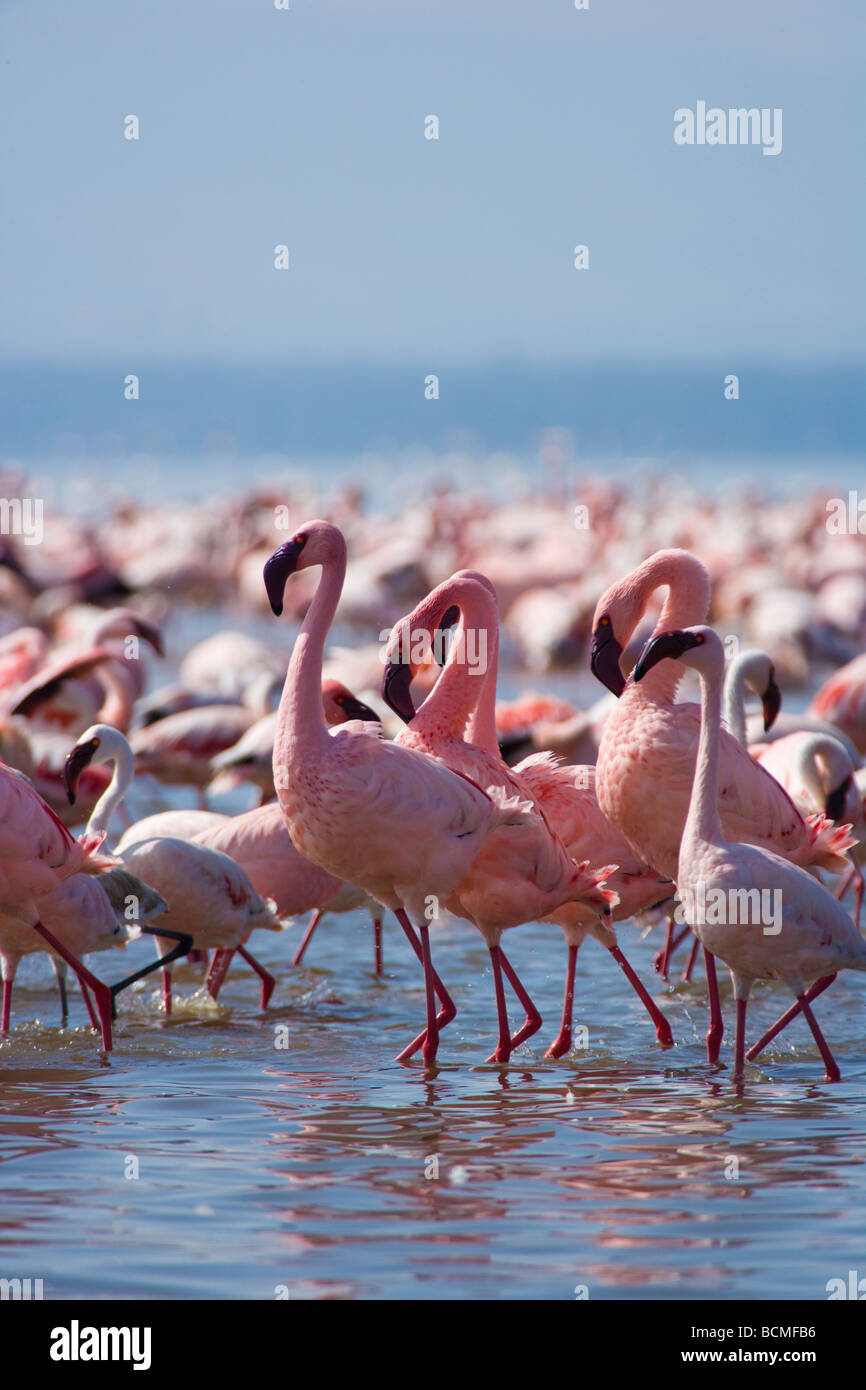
(834, 805)
(356, 709)
(277, 572)
(150, 634)
(395, 690)
(445, 624)
(76, 762)
(604, 662)
(666, 644)
(771, 701)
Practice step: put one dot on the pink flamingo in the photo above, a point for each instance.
(842, 701)
(648, 750)
(37, 855)
(390, 820)
(815, 937)
(523, 873)
(211, 902)
(564, 796)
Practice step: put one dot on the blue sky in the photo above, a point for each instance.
(306, 127)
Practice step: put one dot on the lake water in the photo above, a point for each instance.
(311, 1170)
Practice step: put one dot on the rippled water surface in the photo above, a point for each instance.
(631, 1171)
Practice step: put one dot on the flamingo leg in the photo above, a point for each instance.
(267, 979)
(716, 1030)
(690, 963)
(533, 1020)
(430, 1045)
(859, 887)
(662, 960)
(562, 1042)
(314, 922)
(377, 945)
(94, 1021)
(166, 990)
(503, 1047)
(832, 1072)
(101, 991)
(811, 993)
(662, 1026)
(448, 1010)
(219, 966)
(183, 940)
(7, 1006)
(64, 1002)
(740, 1041)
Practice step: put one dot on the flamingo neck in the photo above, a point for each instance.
(121, 780)
(735, 702)
(702, 822)
(301, 718)
(687, 605)
(451, 708)
(116, 708)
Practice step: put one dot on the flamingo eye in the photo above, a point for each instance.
(604, 622)
(699, 639)
(299, 539)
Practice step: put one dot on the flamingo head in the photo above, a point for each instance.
(316, 543)
(771, 701)
(403, 659)
(697, 647)
(98, 744)
(340, 704)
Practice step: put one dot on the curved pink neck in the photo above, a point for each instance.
(301, 718)
(458, 697)
(687, 604)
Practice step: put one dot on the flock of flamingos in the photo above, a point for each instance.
(741, 834)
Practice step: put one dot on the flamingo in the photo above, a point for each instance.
(752, 668)
(523, 873)
(842, 701)
(388, 819)
(37, 855)
(563, 796)
(208, 894)
(648, 749)
(816, 937)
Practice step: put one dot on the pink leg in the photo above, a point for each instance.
(562, 1042)
(811, 993)
(716, 1030)
(533, 1019)
(662, 959)
(448, 1010)
(377, 945)
(740, 1041)
(832, 1071)
(219, 966)
(94, 1021)
(690, 963)
(166, 990)
(858, 895)
(307, 937)
(267, 979)
(663, 1028)
(503, 1047)
(101, 991)
(7, 1006)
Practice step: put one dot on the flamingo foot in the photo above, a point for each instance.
(560, 1045)
(449, 1008)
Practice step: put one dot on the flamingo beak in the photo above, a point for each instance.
(356, 709)
(80, 758)
(666, 644)
(604, 661)
(395, 690)
(151, 635)
(771, 700)
(277, 572)
(834, 803)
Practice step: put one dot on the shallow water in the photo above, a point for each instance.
(311, 1170)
